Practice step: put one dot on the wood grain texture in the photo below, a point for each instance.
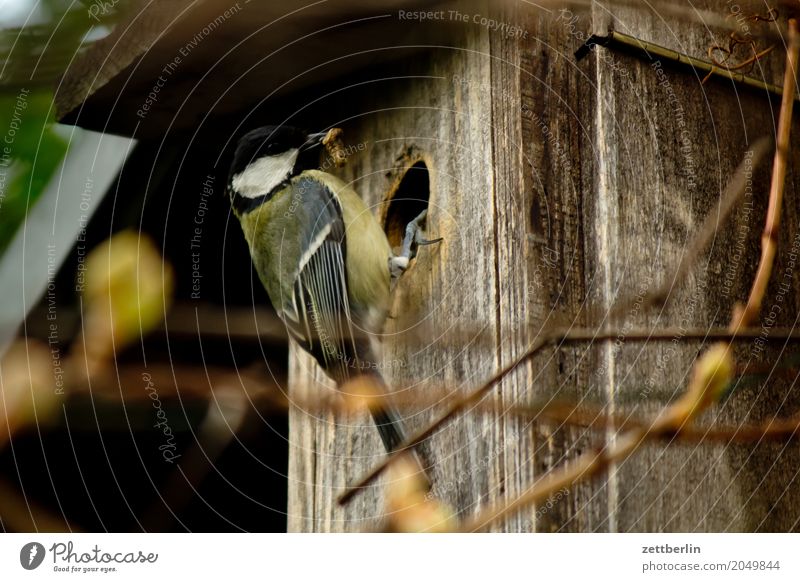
(670, 145)
(555, 117)
(561, 189)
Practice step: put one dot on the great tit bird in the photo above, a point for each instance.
(320, 254)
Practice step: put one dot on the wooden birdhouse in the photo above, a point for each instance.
(569, 192)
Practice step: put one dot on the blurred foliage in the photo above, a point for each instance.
(30, 381)
(38, 52)
(410, 505)
(34, 57)
(128, 288)
(30, 153)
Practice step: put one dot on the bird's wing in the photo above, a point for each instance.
(319, 315)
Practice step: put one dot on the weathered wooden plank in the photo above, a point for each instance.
(542, 126)
(450, 284)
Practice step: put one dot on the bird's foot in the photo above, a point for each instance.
(412, 240)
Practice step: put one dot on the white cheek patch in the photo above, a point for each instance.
(261, 176)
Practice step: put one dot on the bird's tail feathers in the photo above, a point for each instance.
(389, 425)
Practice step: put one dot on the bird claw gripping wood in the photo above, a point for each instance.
(412, 240)
(334, 146)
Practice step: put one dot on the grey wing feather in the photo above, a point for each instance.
(319, 317)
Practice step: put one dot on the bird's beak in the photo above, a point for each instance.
(314, 140)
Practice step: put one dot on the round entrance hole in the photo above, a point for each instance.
(408, 200)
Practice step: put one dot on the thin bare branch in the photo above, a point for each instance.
(769, 239)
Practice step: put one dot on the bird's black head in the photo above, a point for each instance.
(267, 157)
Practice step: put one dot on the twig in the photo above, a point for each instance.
(653, 52)
(587, 465)
(596, 419)
(556, 337)
(712, 372)
(734, 42)
(744, 317)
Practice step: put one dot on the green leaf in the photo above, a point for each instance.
(30, 153)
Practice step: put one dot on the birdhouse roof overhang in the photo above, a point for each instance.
(170, 66)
